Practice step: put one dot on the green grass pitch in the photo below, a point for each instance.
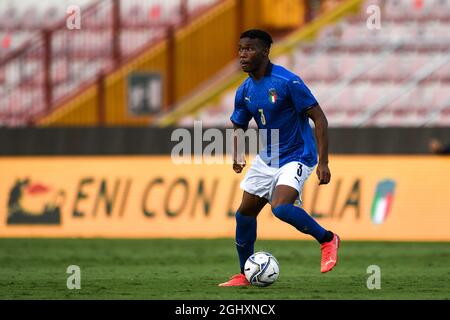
(191, 269)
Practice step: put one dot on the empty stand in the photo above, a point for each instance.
(398, 75)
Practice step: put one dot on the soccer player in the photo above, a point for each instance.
(278, 99)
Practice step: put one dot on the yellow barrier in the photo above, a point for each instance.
(369, 198)
(81, 110)
(116, 93)
(282, 13)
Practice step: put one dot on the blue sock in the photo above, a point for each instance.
(245, 237)
(298, 218)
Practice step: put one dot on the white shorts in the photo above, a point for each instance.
(261, 179)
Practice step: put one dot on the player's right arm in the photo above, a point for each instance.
(240, 118)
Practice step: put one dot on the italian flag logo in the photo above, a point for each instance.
(382, 201)
(273, 96)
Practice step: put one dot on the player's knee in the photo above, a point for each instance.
(281, 211)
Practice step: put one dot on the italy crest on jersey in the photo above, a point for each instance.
(273, 96)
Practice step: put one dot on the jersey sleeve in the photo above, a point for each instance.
(301, 96)
(241, 116)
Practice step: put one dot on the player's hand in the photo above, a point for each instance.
(238, 167)
(323, 173)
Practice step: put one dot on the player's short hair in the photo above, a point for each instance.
(258, 34)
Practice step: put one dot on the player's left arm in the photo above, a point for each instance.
(321, 131)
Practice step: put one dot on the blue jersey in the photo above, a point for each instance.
(278, 101)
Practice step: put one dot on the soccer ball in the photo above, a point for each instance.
(261, 269)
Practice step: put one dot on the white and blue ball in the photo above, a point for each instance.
(261, 269)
